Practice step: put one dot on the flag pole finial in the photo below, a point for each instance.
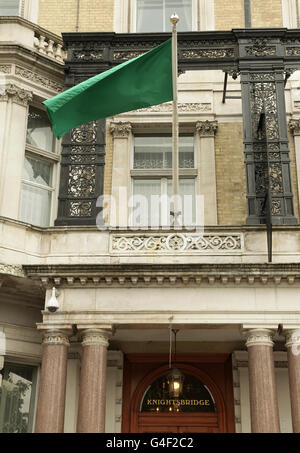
(174, 19)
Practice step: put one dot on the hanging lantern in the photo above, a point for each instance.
(175, 381)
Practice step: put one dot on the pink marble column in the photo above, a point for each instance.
(293, 351)
(92, 398)
(51, 402)
(263, 393)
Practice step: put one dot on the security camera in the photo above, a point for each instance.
(52, 305)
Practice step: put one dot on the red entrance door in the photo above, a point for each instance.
(213, 372)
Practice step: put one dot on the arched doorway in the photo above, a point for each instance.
(200, 407)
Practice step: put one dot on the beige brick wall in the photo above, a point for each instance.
(266, 13)
(230, 174)
(229, 14)
(61, 16)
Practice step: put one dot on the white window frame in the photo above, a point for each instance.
(54, 159)
(125, 16)
(291, 13)
(160, 174)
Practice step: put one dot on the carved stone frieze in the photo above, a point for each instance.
(176, 242)
(39, 79)
(208, 53)
(12, 270)
(183, 107)
(5, 68)
(120, 129)
(207, 128)
(16, 94)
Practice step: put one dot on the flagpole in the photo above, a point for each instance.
(175, 130)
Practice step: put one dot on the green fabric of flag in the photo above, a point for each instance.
(140, 82)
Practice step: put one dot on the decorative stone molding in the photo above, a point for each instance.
(176, 242)
(183, 107)
(55, 338)
(5, 68)
(10, 269)
(294, 126)
(25, 73)
(259, 337)
(293, 339)
(16, 94)
(207, 128)
(95, 337)
(120, 129)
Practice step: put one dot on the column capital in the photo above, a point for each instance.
(294, 126)
(16, 94)
(259, 337)
(120, 129)
(95, 337)
(207, 128)
(56, 337)
(292, 337)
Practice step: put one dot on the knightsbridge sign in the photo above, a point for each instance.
(177, 403)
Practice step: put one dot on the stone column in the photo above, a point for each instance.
(263, 393)
(52, 392)
(206, 181)
(293, 351)
(92, 398)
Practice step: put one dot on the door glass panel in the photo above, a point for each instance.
(195, 397)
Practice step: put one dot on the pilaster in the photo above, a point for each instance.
(293, 350)
(206, 162)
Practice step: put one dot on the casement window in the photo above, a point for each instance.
(154, 15)
(152, 180)
(39, 172)
(151, 16)
(17, 398)
(10, 7)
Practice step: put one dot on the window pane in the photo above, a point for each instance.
(145, 206)
(9, 7)
(39, 133)
(154, 15)
(187, 200)
(17, 398)
(183, 8)
(149, 16)
(38, 171)
(156, 152)
(35, 205)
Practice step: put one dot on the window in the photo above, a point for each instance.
(154, 15)
(152, 180)
(17, 398)
(39, 170)
(9, 7)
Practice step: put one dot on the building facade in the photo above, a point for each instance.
(88, 215)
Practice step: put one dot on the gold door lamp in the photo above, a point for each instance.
(175, 378)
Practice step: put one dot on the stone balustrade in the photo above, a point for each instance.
(47, 45)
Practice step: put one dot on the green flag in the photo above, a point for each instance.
(141, 82)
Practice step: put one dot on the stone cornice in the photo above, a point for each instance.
(207, 128)
(132, 275)
(16, 94)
